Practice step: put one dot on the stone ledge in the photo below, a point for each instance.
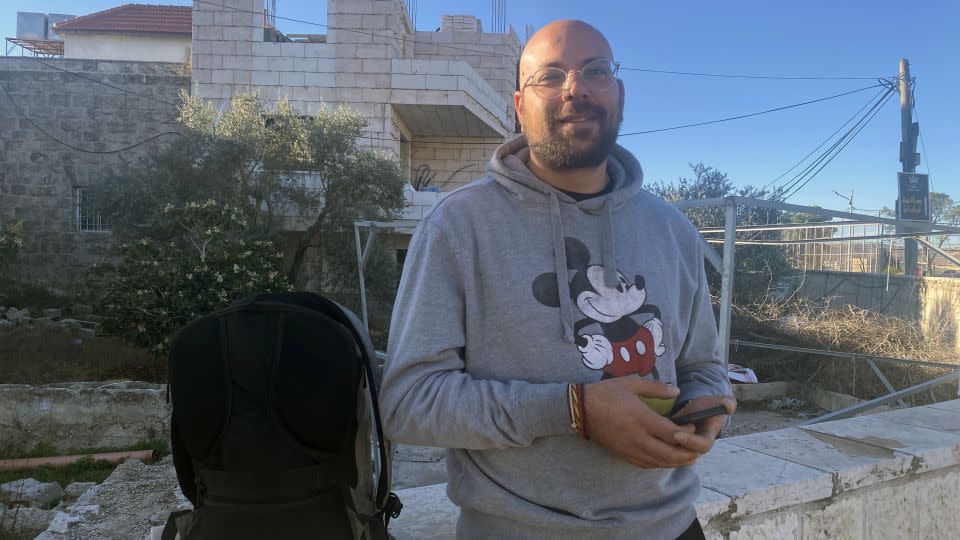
(836, 479)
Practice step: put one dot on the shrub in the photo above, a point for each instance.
(204, 264)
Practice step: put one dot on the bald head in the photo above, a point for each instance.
(573, 126)
(556, 39)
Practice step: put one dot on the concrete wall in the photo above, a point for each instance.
(890, 475)
(493, 56)
(76, 416)
(136, 48)
(448, 158)
(934, 302)
(38, 175)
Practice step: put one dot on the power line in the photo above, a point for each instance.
(751, 114)
(825, 141)
(812, 168)
(802, 175)
(72, 147)
(849, 139)
(732, 76)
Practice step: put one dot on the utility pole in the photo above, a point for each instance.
(908, 158)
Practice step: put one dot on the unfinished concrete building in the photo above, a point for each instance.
(439, 101)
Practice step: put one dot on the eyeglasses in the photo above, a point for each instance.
(550, 83)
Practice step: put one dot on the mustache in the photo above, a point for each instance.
(578, 109)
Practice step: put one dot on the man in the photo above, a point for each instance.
(539, 305)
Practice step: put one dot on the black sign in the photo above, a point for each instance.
(914, 196)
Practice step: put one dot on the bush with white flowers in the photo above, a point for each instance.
(11, 241)
(206, 261)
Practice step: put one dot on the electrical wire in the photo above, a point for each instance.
(825, 141)
(751, 114)
(836, 146)
(800, 176)
(731, 76)
(840, 149)
(72, 147)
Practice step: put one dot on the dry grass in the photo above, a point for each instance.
(848, 329)
(844, 328)
(46, 355)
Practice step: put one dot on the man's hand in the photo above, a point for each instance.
(618, 420)
(702, 439)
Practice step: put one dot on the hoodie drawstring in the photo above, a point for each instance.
(609, 259)
(560, 262)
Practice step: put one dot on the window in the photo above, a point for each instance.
(85, 218)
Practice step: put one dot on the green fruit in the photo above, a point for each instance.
(658, 405)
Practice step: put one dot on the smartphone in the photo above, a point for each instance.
(699, 415)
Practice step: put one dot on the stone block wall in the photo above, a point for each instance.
(38, 175)
(456, 162)
(493, 56)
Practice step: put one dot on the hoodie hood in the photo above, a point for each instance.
(508, 167)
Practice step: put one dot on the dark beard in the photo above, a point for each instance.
(555, 151)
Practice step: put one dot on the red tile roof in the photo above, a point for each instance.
(133, 18)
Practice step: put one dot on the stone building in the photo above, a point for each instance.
(438, 101)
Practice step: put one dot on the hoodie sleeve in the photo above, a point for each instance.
(700, 368)
(427, 398)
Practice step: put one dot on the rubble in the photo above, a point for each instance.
(134, 498)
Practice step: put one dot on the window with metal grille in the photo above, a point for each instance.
(85, 217)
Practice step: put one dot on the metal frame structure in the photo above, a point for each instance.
(725, 263)
(39, 47)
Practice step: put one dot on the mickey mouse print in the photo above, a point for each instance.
(619, 333)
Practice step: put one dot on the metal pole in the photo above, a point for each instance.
(726, 285)
(908, 150)
(883, 400)
(363, 287)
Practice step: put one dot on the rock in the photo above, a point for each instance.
(3, 309)
(75, 490)
(81, 309)
(6, 324)
(51, 313)
(43, 322)
(24, 520)
(25, 321)
(29, 492)
(68, 324)
(14, 315)
(87, 333)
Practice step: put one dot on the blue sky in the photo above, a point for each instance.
(788, 39)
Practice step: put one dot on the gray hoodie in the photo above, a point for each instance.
(512, 290)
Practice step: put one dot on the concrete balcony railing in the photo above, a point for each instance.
(447, 98)
(890, 475)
